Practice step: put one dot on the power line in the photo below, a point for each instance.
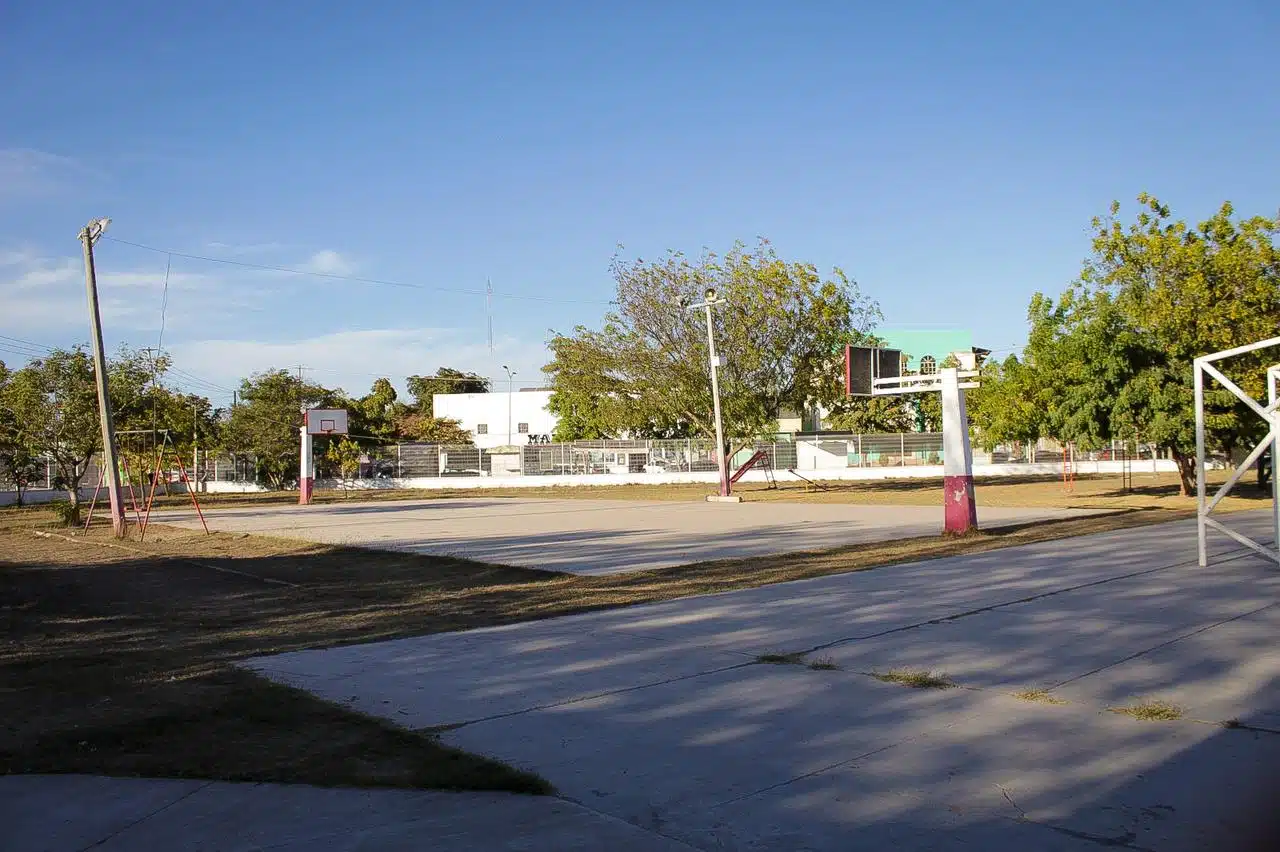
(26, 343)
(357, 279)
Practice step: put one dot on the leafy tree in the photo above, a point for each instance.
(1011, 405)
(265, 423)
(344, 454)
(375, 414)
(433, 430)
(1113, 356)
(54, 404)
(645, 371)
(445, 380)
(19, 449)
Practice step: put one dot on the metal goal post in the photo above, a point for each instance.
(1205, 369)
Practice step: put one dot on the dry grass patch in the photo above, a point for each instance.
(778, 658)
(823, 664)
(915, 679)
(1151, 711)
(1039, 696)
(1093, 491)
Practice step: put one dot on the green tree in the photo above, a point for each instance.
(55, 405)
(645, 371)
(265, 422)
(433, 430)
(1011, 405)
(1114, 354)
(445, 380)
(375, 414)
(19, 449)
(345, 454)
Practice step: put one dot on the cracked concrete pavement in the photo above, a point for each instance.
(662, 716)
(661, 729)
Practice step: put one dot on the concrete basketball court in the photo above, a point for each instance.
(661, 716)
(595, 536)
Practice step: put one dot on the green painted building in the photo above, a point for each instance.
(919, 342)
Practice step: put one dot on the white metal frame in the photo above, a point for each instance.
(1270, 413)
(920, 384)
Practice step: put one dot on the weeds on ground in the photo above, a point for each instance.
(915, 679)
(1039, 696)
(823, 664)
(1151, 711)
(778, 658)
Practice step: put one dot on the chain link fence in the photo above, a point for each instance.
(813, 452)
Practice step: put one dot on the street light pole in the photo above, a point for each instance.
(89, 235)
(510, 392)
(722, 462)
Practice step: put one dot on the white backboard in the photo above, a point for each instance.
(327, 421)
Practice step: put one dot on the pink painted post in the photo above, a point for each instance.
(306, 476)
(961, 510)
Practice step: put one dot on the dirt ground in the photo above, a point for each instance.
(118, 657)
(1147, 491)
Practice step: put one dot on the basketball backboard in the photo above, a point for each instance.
(864, 364)
(327, 421)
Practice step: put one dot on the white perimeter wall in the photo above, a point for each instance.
(34, 497)
(671, 478)
(473, 409)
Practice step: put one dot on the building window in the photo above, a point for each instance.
(482, 428)
(928, 365)
(523, 428)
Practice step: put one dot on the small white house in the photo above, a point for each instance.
(499, 419)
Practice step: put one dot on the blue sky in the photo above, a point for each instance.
(947, 155)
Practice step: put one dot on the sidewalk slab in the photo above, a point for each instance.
(226, 817)
(1033, 777)
(683, 747)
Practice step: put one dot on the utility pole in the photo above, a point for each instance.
(195, 449)
(722, 461)
(89, 235)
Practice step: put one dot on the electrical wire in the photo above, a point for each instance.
(357, 279)
(164, 301)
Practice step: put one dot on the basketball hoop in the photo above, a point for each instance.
(872, 372)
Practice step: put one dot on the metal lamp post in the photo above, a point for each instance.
(722, 463)
(510, 392)
(89, 235)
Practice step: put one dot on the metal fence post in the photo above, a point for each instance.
(862, 457)
(902, 452)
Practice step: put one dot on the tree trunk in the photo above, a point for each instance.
(1186, 472)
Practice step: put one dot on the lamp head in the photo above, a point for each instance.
(711, 294)
(95, 229)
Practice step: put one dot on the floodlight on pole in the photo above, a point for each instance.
(89, 235)
(710, 300)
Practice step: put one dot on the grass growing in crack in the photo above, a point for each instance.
(915, 679)
(778, 658)
(1231, 723)
(823, 664)
(1151, 711)
(1039, 696)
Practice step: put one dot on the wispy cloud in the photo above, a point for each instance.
(26, 173)
(328, 262)
(43, 293)
(353, 359)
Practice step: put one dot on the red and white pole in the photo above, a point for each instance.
(306, 475)
(957, 459)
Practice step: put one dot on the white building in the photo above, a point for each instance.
(499, 419)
